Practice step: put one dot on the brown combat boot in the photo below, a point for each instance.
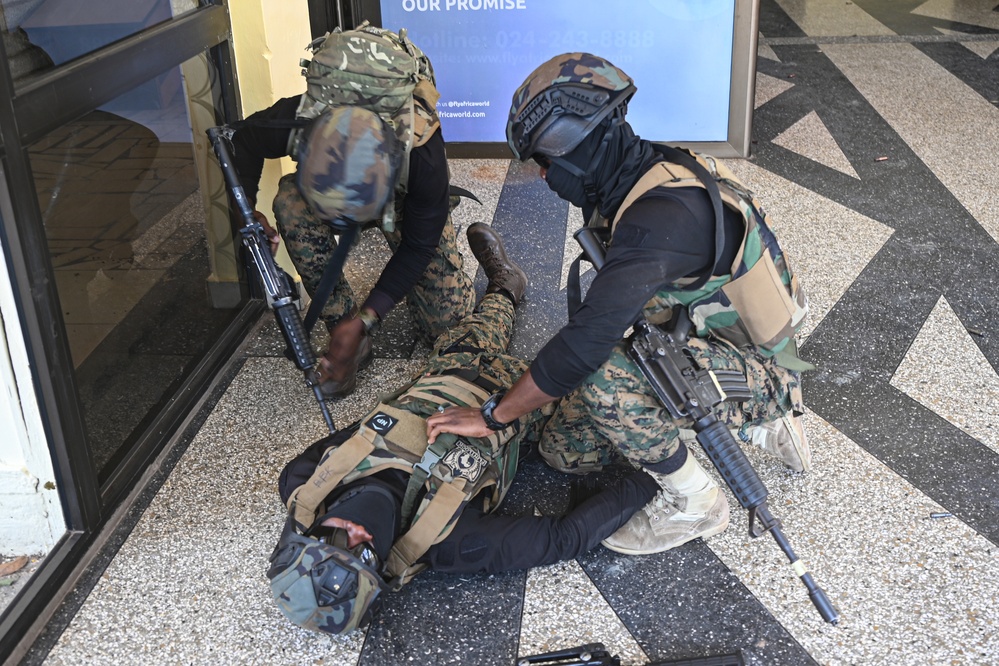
(505, 277)
(333, 389)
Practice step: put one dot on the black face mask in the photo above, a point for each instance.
(373, 506)
(565, 184)
(568, 176)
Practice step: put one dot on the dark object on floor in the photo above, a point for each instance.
(595, 654)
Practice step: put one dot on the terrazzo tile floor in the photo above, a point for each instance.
(874, 144)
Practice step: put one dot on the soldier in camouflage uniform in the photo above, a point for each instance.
(426, 268)
(667, 249)
(350, 536)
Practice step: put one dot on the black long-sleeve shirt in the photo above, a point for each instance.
(424, 208)
(667, 234)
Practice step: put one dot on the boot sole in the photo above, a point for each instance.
(627, 551)
(723, 516)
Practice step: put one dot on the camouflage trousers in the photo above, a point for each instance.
(614, 412)
(480, 342)
(443, 295)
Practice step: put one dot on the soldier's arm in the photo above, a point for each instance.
(252, 144)
(425, 212)
(522, 398)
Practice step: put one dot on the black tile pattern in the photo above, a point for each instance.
(937, 249)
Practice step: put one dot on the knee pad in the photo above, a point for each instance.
(572, 462)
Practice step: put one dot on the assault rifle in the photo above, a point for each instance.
(282, 297)
(596, 654)
(687, 390)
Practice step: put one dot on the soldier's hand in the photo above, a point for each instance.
(465, 421)
(273, 237)
(341, 359)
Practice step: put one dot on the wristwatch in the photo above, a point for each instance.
(487, 411)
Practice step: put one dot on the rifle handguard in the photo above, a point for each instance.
(731, 462)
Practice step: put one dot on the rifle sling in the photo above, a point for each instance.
(331, 275)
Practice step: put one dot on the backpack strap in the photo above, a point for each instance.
(573, 288)
(415, 542)
(305, 501)
(707, 180)
(331, 274)
(425, 118)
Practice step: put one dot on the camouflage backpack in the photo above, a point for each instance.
(378, 70)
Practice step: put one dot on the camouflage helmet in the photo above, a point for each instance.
(562, 101)
(321, 584)
(347, 165)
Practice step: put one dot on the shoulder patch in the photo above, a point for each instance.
(465, 461)
(381, 422)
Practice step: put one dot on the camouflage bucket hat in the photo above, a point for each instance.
(347, 165)
(562, 101)
(320, 586)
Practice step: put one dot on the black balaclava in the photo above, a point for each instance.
(566, 174)
(611, 173)
(371, 504)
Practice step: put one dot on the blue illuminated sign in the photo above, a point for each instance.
(679, 52)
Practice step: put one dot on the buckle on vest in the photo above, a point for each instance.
(429, 459)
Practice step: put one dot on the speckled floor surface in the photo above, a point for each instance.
(875, 142)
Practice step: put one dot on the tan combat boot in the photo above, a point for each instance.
(690, 505)
(785, 439)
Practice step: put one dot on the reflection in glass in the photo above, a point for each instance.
(67, 29)
(40, 34)
(125, 221)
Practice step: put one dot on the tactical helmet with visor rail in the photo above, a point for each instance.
(562, 101)
(320, 582)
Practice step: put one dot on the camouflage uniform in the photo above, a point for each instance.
(383, 72)
(301, 564)
(480, 342)
(439, 300)
(615, 409)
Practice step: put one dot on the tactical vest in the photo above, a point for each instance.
(759, 302)
(452, 470)
(378, 70)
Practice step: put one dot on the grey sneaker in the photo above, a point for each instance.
(785, 439)
(662, 525)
